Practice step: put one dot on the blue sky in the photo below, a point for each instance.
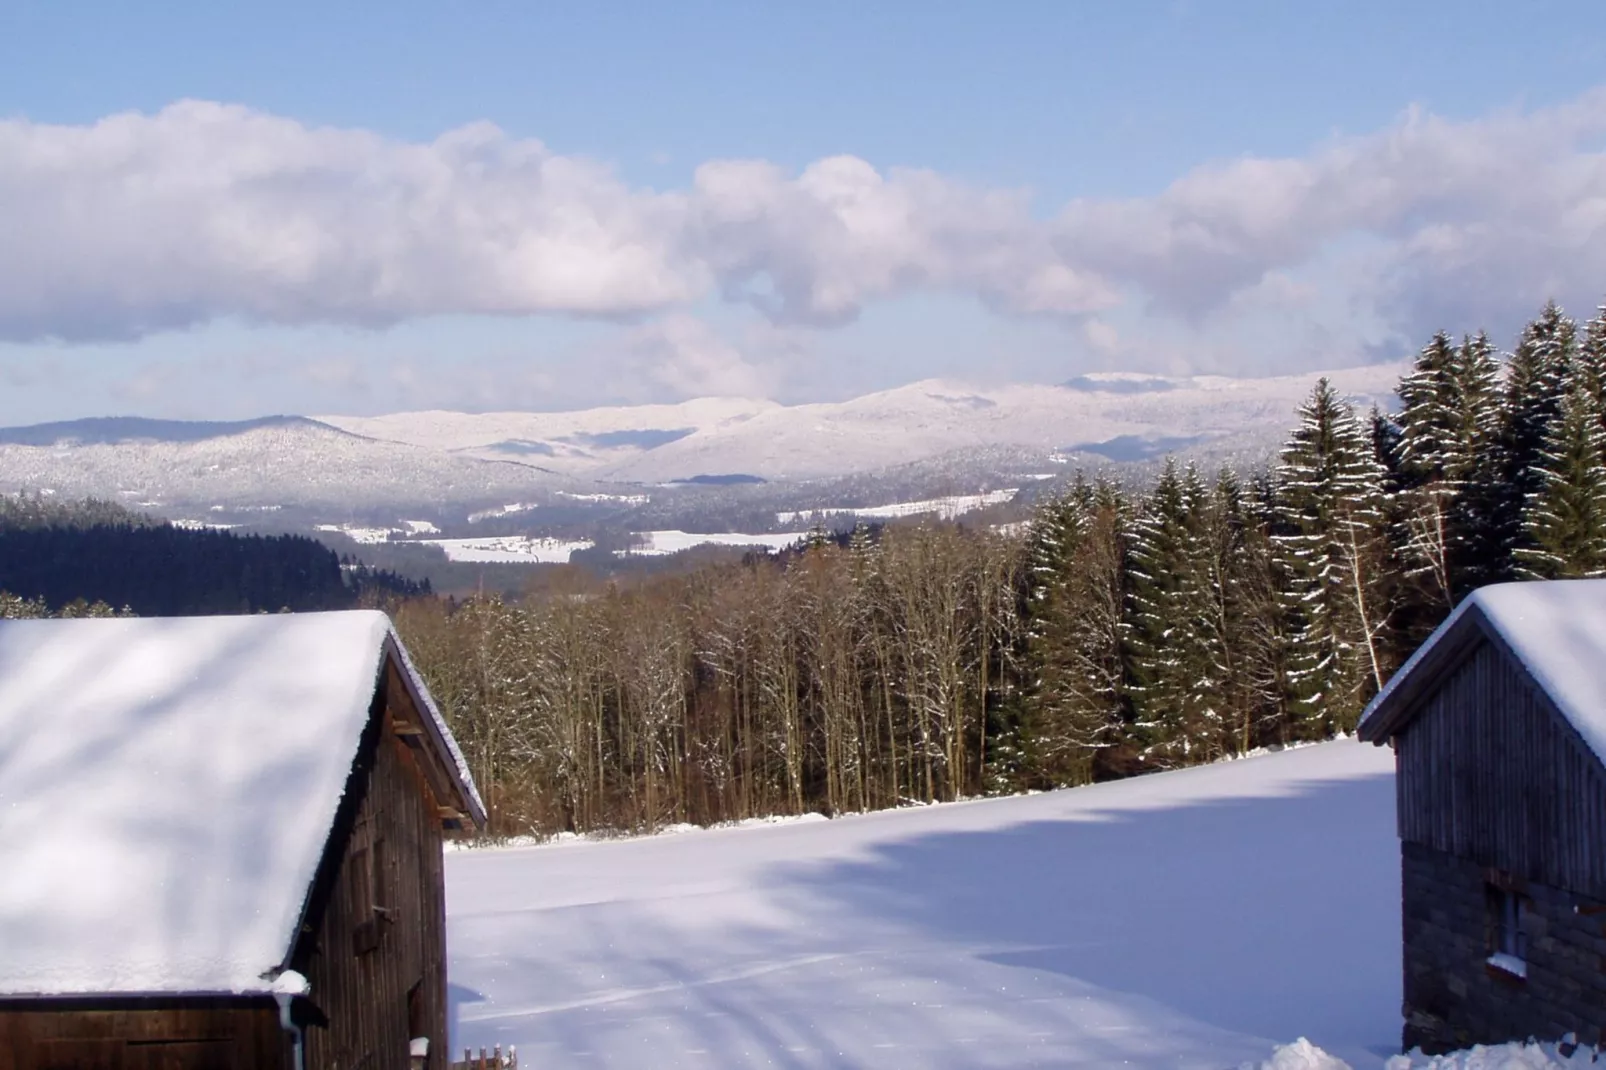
(1008, 190)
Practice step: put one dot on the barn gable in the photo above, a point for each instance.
(1554, 629)
(169, 788)
(1489, 771)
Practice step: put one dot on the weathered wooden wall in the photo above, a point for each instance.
(380, 975)
(143, 1034)
(1490, 772)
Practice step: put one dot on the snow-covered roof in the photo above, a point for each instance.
(167, 789)
(1555, 628)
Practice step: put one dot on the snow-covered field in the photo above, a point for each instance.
(359, 534)
(1189, 919)
(946, 508)
(658, 543)
(515, 549)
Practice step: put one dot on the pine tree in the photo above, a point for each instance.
(1332, 559)
(1564, 522)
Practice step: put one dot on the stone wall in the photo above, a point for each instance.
(1454, 998)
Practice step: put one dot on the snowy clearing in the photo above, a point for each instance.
(1190, 919)
(613, 499)
(659, 543)
(945, 508)
(517, 549)
(502, 510)
(364, 536)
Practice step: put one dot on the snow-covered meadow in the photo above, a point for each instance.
(1188, 919)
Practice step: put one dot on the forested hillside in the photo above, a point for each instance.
(60, 554)
(1127, 631)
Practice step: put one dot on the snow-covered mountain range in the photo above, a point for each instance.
(1120, 416)
(451, 459)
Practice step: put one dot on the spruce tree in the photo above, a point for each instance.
(1429, 419)
(1166, 612)
(1449, 415)
(1076, 709)
(1564, 522)
(1268, 640)
(1536, 381)
(1333, 561)
(1225, 697)
(1591, 359)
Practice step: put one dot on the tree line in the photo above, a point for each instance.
(56, 554)
(1125, 630)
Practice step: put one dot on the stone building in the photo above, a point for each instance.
(1498, 724)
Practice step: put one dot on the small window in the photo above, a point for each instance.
(1508, 937)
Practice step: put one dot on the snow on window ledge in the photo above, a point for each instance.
(1509, 963)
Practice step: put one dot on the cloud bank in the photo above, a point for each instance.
(144, 222)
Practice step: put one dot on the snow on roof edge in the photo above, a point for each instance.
(1404, 671)
(1556, 629)
(438, 721)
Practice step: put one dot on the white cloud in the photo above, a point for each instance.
(204, 211)
(686, 357)
(813, 249)
(1474, 219)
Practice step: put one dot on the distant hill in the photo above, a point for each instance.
(1118, 416)
(946, 436)
(119, 429)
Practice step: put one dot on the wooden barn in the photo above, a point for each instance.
(1498, 724)
(221, 845)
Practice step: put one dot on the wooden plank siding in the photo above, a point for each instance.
(376, 956)
(156, 1033)
(1490, 771)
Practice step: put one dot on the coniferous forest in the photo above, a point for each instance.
(71, 556)
(1203, 616)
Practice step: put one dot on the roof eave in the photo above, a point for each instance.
(432, 724)
(1397, 704)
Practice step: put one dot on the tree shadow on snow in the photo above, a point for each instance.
(1271, 916)
(1267, 917)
